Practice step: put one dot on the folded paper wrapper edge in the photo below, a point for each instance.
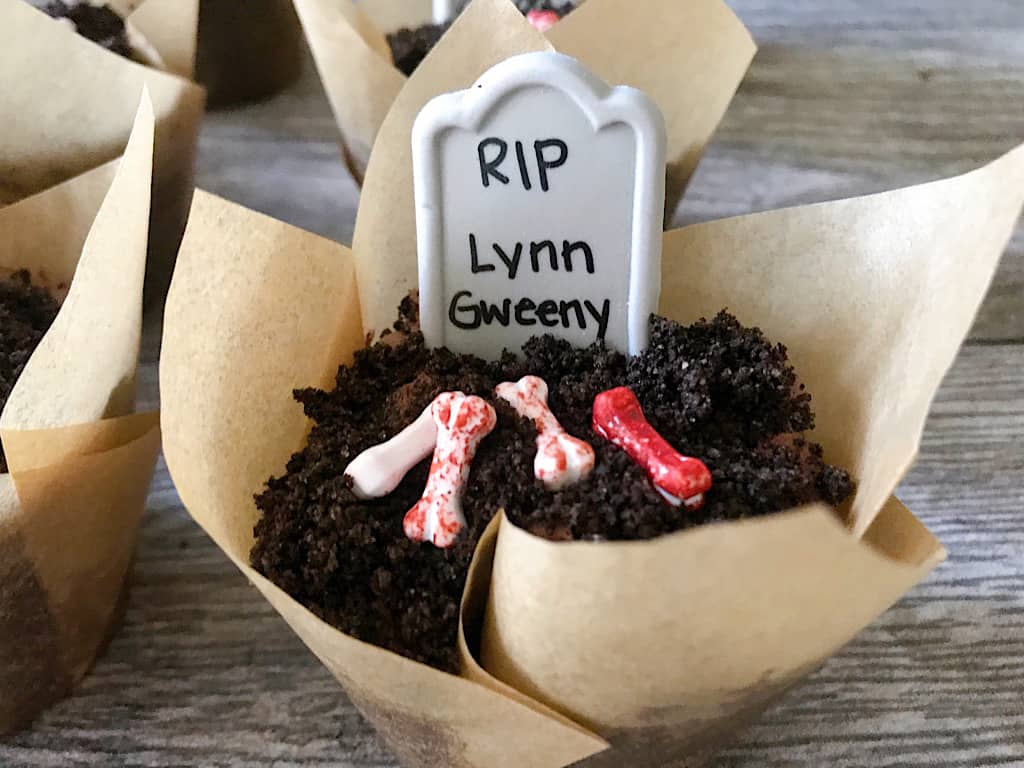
(28, 227)
(266, 261)
(280, 288)
(354, 63)
(70, 508)
(171, 26)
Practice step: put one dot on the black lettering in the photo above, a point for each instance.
(474, 264)
(536, 248)
(512, 264)
(492, 314)
(523, 170)
(575, 306)
(569, 248)
(489, 168)
(543, 164)
(525, 305)
(547, 313)
(472, 309)
(602, 317)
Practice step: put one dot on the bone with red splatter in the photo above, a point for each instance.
(561, 458)
(619, 418)
(462, 422)
(377, 471)
(542, 20)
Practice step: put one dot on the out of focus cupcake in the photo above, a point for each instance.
(70, 76)
(366, 50)
(592, 622)
(77, 456)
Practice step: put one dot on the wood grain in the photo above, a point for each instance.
(846, 97)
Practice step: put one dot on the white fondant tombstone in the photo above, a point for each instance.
(540, 196)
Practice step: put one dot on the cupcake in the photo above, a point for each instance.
(77, 457)
(619, 633)
(247, 51)
(74, 71)
(700, 44)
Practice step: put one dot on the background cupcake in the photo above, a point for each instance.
(79, 458)
(75, 100)
(780, 275)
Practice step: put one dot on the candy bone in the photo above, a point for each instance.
(561, 458)
(377, 471)
(619, 418)
(462, 422)
(541, 20)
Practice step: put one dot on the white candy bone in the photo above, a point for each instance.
(377, 471)
(462, 422)
(561, 458)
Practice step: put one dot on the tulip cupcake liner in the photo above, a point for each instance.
(695, 55)
(648, 653)
(80, 457)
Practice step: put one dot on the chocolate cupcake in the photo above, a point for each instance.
(78, 455)
(715, 391)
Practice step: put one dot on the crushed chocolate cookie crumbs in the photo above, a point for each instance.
(715, 390)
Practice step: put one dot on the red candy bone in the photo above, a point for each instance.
(561, 459)
(462, 422)
(542, 20)
(619, 419)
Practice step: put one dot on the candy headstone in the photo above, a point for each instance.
(539, 203)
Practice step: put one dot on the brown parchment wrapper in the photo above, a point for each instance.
(80, 458)
(70, 106)
(665, 648)
(695, 54)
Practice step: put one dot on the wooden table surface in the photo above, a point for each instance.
(845, 97)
